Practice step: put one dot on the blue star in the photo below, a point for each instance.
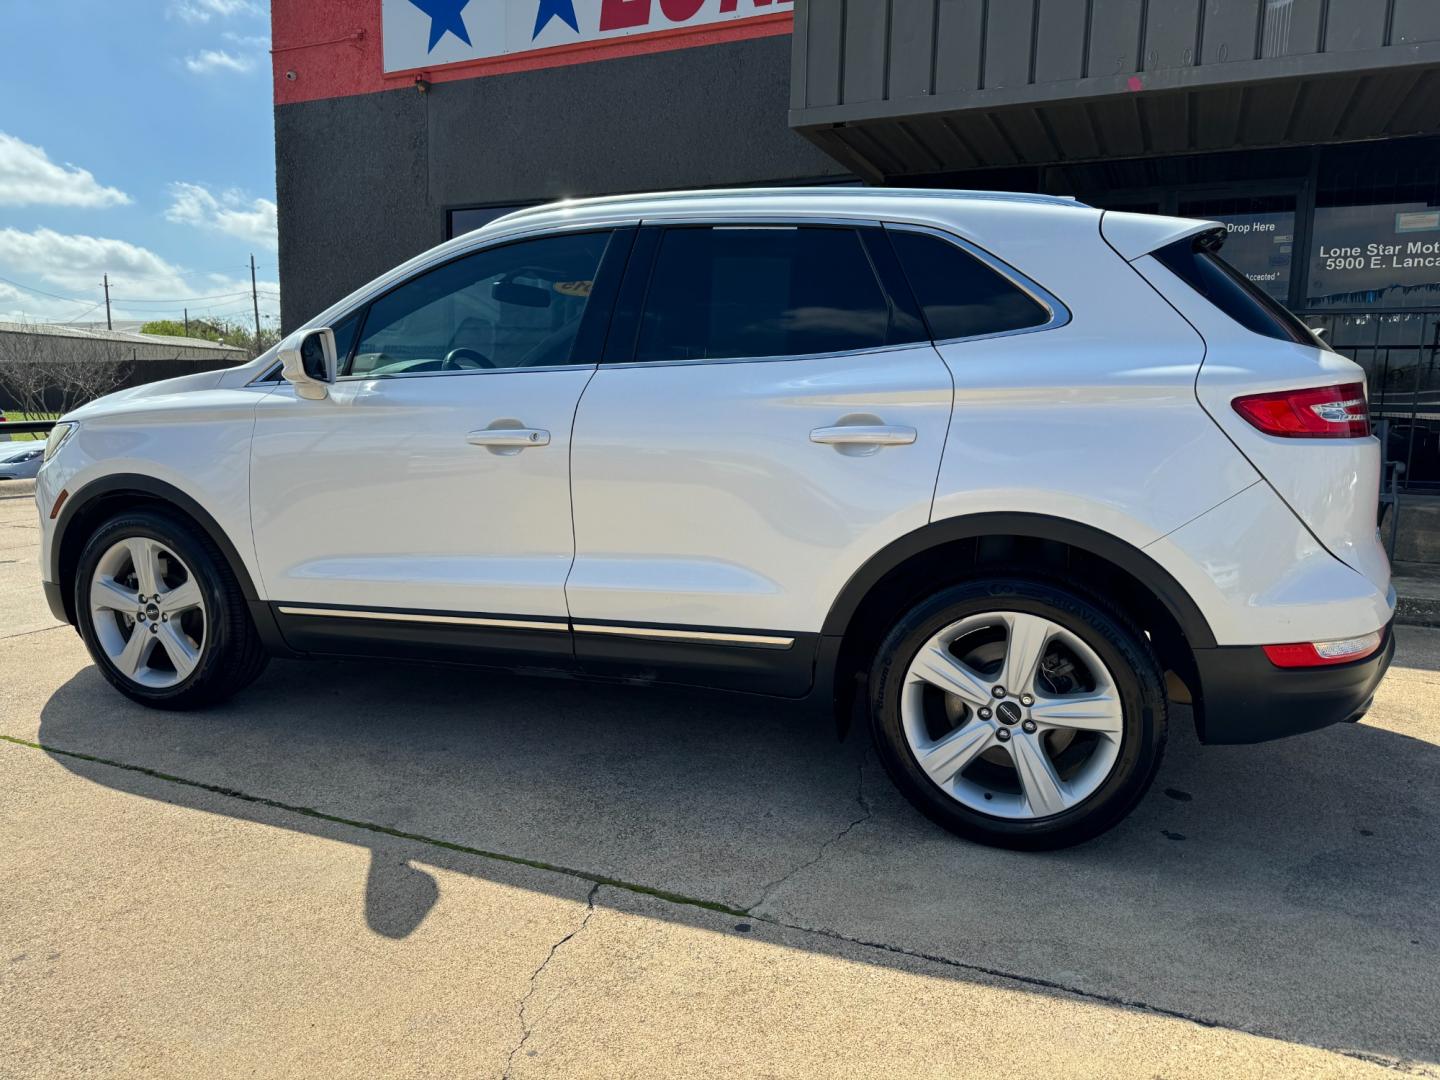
(564, 10)
(444, 16)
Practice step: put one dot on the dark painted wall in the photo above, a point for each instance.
(364, 181)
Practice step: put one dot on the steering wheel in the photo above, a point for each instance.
(464, 359)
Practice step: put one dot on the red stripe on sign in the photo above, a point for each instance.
(333, 48)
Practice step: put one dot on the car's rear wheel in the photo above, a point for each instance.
(1018, 712)
(162, 614)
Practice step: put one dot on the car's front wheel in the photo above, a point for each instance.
(1018, 712)
(162, 614)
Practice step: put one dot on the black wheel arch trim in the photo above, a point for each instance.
(157, 489)
(1037, 526)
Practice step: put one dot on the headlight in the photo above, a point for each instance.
(58, 434)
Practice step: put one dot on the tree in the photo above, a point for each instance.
(40, 374)
(238, 334)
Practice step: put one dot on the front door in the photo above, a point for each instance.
(427, 500)
(773, 417)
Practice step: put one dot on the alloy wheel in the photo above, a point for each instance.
(1012, 715)
(148, 612)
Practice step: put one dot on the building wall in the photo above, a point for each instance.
(365, 181)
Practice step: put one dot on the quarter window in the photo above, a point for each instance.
(731, 292)
(516, 306)
(961, 296)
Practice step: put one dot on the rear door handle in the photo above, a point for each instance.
(863, 435)
(508, 440)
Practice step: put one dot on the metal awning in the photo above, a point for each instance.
(895, 88)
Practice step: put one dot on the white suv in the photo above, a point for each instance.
(1008, 472)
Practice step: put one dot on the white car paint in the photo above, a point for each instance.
(698, 497)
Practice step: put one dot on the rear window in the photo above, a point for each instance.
(1196, 261)
(961, 296)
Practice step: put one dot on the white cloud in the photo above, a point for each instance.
(143, 284)
(232, 213)
(29, 178)
(201, 11)
(258, 42)
(208, 61)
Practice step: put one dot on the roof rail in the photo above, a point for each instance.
(814, 191)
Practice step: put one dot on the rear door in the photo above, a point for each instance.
(770, 413)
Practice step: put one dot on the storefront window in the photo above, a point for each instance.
(1385, 255)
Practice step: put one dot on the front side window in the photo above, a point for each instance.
(516, 306)
(729, 292)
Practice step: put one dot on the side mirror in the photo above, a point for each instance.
(308, 360)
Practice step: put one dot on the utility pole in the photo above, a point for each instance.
(255, 297)
(187, 322)
(108, 324)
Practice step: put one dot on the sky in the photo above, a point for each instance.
(136, 139)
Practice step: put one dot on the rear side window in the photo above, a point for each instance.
(961, 296)
(756, 291)
(1196, 261)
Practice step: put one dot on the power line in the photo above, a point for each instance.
(42, 292)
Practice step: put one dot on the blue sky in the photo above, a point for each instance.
(136, 138)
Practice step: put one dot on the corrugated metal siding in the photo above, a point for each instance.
(874, 50)
(898, 87)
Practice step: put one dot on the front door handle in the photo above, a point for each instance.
(863, 435)
(508, 440)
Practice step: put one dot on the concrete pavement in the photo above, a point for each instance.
(398, 870)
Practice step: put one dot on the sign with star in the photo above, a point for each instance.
(425, 34)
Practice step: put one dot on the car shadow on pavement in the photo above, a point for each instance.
(1288, 889)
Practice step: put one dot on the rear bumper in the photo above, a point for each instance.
(1246, 699)
(56, 600)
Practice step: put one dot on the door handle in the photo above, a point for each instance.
(863, 435)
(508, 440)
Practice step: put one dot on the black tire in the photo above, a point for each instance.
(232, 655)
(1120, 645)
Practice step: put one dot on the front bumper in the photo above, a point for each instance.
(1244, 698)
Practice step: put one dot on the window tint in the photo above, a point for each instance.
(515, 306)
(1195, 260)
(727, 292)
(961, 296)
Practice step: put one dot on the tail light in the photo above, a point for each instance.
(1317, 412)
(1324, 653)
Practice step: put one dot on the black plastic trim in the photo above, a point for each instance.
(1244, 698)
(375, 635)
(776, 672)
(1040, 526)
(55, 598)
(147, 485)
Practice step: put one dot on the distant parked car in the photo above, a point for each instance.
(21, 461)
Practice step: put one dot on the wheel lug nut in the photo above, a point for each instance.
(140, 616)
(1003, 734)
(1027, 700)
(154, 627)
(999, 691)
(985, 713)
(1028, 727)
(164, 617)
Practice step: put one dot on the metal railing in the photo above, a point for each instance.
(26, 427)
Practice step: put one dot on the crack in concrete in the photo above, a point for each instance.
(1401, 1065)
(39, 630)
(865, 815)
(527, 1028)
